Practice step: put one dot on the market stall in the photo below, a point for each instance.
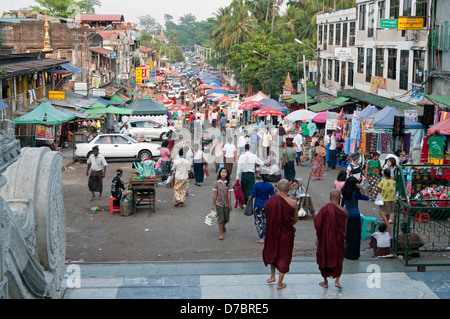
(47, 122)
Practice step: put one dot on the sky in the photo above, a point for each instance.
(132, 9)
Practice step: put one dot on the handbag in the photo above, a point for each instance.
(379, 201)
(284, 159)
(248, 211)
(170, 181)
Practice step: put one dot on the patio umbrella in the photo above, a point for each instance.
(166, 100)
(300, 115)
(250, 105)
(225, 99)
(322, 117)
(442, 128)
(179, 107)
(267, 111)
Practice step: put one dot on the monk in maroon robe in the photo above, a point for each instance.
(331, 225)
(281, 215)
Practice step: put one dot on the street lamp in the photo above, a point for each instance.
(318, 64)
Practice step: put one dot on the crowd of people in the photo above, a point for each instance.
(251, 161)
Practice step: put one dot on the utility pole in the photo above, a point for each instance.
(304, 80)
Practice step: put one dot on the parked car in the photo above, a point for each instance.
(170, 94)
(147, 129)
(176, 87)
(118, 146)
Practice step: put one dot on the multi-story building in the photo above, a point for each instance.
(377, 52)
(336, 40)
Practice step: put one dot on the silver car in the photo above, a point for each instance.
(147, 129)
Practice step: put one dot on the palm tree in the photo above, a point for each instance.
(240, 25)
(291, 23)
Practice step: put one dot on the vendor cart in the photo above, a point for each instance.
(144, 192)
(421, 232)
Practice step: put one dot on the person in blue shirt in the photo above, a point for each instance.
(261, 194)
(351, 193)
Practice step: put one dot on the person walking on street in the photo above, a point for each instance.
(351, 193)
(281, 216)
(298, 146)
(222, 199)
(261, 194)
(319, 161)
(265, 143)
(332, 151)
(289, 166)
(229, 154)
(331, 225)
(372, 174)
(181, 167)
(246, 171)
(97, 164)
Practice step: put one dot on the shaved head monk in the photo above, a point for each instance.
(281, 215)
(331, 225)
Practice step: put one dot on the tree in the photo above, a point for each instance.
(188, 20)
(65, 8)
(148, 24)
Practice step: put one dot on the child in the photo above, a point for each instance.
(387, 187)
(340, 180)
(381, 241)
(222, 199)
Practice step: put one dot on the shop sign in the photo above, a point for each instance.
(310, 84)
(312, 66)
(410, 23)
(342, 52)
(139, 75)
(331, 124)
(389, 23)
(56, 95)
(98, 92)
(150, 64)
(45, 133)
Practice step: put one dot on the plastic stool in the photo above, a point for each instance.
(365, 222)
(113, 208)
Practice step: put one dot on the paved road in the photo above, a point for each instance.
(173, 234)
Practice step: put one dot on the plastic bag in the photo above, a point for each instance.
(211, 218)
(301, 212)
(248, 211)
(379, 201)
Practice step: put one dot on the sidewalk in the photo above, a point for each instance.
(376, 279)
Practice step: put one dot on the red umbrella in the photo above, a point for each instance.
(179, 107)
(440, 128)
(203, 86)
(225, 99)
(267, 111)
(250, 105)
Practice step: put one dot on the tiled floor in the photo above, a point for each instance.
(247, 281)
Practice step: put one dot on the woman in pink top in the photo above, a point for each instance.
(340, 180)
(166, 160)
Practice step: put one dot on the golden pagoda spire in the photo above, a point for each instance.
(47, 45)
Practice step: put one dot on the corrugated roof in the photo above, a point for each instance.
(102, 51)
(100, 17)
(32, 65)
(374, 99)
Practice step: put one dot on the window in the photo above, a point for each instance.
(330, 38)
(350, 74)
(421, 10)
(369, 55)
(338, 34)
(120, 140)
(379, 62)
(360, 60)
(371, 20)
(407, 8)
(418, 63)
(319, 35)
(342, 74)
(381, 11)
(325, 32)
(392, 64)
(330, 69)
(344, 34)
(104, 140)
(336, 71)
(362, 17)
(394, 9)
(352, 34)
(404, 66)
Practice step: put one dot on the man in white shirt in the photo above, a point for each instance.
(246, 171)
(97, 164)
(298, 141)
(332, 151)
(125, 130)
(229, 154)
(242, 140)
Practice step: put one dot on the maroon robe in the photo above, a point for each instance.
(330, 230)
(279, 239)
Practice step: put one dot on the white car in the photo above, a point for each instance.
(147, 129)
(170, 94)
(118, 146)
